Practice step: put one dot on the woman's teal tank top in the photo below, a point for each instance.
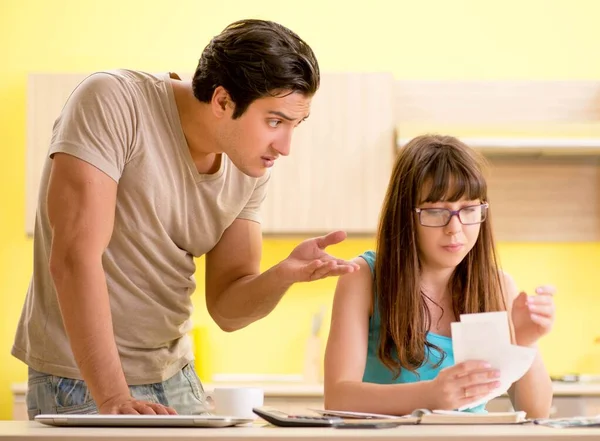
(377, 372)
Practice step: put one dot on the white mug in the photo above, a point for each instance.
(236, 401)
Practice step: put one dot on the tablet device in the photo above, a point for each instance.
(140, 420)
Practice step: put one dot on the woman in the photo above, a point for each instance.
(389, 348)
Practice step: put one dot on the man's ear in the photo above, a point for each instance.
(221, 102)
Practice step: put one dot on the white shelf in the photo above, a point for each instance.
(525, 143)
(259, 378)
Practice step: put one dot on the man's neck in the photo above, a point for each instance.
(195, 122)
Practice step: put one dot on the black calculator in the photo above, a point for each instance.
(282, 419)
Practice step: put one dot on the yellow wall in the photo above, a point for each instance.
(276, 344)
(444, 39)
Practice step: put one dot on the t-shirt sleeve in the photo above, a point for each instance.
(96, 124)
(252, 209)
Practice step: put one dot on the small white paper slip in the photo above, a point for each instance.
(476, 335)
(476, 341)
(497, 323)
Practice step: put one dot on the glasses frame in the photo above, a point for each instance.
(453, 213)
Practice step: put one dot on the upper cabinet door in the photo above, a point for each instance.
(47, 94)
(341, 158)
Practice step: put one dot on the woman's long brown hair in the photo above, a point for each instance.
(446, 169)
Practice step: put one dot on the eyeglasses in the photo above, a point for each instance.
(440, 217)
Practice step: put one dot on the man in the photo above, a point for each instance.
(144, 173)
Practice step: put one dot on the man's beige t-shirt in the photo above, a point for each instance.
(126, 124)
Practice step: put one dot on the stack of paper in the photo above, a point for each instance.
(486, 337)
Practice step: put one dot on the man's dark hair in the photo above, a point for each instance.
(252, 59)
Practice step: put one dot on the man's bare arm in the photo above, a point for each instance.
(237, 294)
(81, 208)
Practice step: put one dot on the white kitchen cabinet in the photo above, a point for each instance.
(46, 96)
(19, 392)
(341, 159)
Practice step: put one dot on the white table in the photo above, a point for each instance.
(30, 431)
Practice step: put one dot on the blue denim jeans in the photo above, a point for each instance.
(52, 394)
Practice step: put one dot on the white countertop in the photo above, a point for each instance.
(576, 389)
(293, 389)
(30, 431)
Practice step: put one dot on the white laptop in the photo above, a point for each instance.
(140, 420)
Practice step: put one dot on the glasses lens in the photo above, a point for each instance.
(434, 217)
(472, 215)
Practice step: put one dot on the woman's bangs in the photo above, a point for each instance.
(450, 182)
